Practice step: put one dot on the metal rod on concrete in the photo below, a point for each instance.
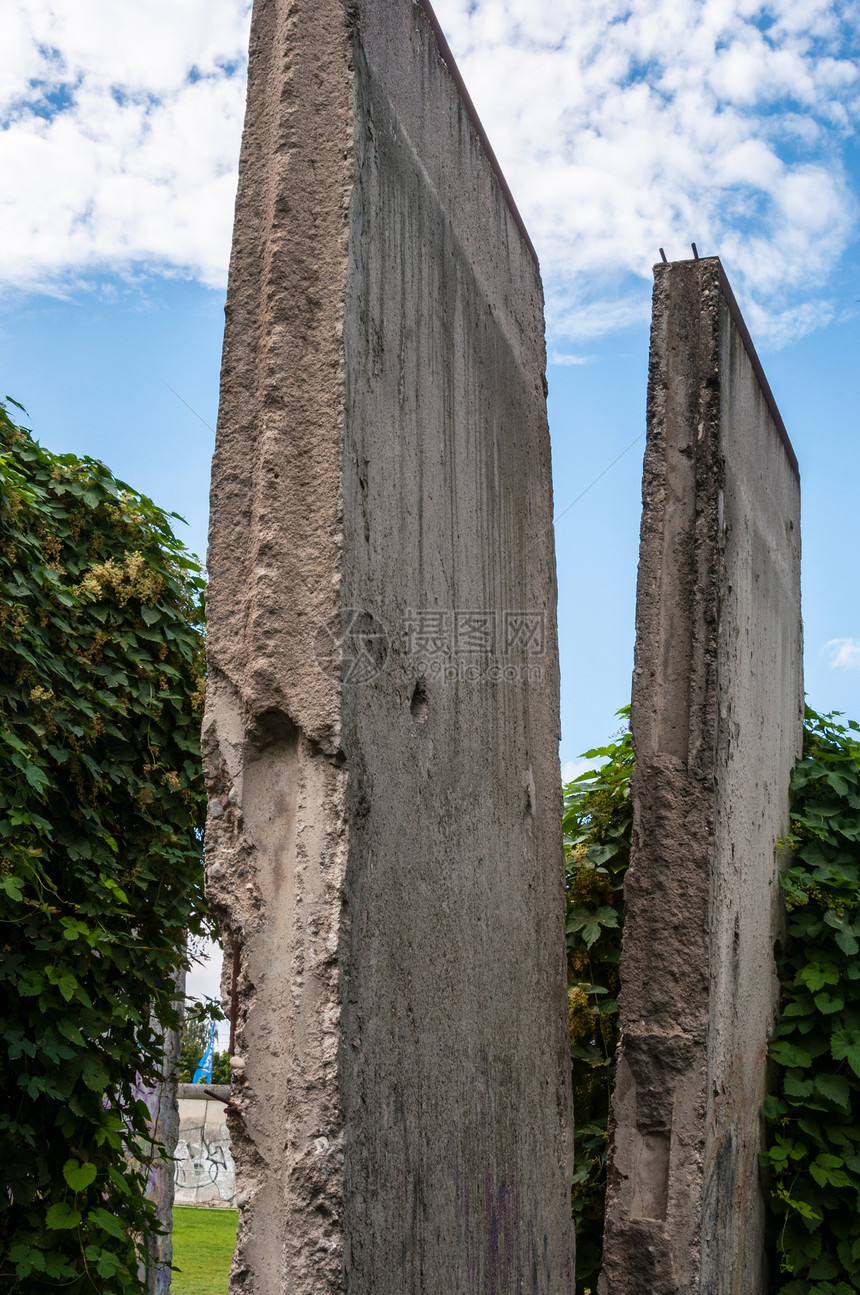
(234, 997)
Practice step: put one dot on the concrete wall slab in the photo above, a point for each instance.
(203, 1173)
(716, 719)
(384, 841)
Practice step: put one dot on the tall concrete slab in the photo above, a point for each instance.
(384, 840)
(716, 719)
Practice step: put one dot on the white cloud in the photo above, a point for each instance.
(574, 768)
(844, 653)
(204, 979)
(566, 358)
(622, 125)
(121, 129)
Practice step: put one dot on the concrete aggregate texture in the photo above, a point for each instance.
(716, 719)
(384, 838)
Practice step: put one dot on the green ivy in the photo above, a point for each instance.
(101, 805)
(813, 1156)
(814, 1113)
(598, 820)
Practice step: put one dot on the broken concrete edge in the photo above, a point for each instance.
(749, 346)
(272, 720)
(451, 64)
(716, 719)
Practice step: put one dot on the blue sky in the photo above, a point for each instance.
(622, 127)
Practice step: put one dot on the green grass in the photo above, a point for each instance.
(203, 1243)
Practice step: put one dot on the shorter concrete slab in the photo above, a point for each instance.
(717, 720)
(204, 1173)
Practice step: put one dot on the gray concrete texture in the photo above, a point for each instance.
(162, 1104)
(716, 720)
(384, 839)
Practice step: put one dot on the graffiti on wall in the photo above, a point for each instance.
(203, 1170)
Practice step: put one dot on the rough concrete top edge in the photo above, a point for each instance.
(450, 62)
(740, 324)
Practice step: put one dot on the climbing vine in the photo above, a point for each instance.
(814, 1113)
(101, 801)
(598, 821)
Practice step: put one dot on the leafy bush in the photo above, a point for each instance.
(101, 800)
(598, 821)
(814, 1149)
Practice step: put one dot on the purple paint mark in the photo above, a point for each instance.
(504, 1252)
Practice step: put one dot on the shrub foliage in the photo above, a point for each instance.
(814, 1112)
(101, 801)
(598, 822)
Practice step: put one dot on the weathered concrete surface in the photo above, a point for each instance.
(384, 840)
(161, 1102)
(716, 719)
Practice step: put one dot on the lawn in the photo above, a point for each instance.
(203, 1242)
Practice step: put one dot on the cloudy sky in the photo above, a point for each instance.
(622, 128)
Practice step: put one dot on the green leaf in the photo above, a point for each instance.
(788, 1054)
(848, 942)
(119, 1180)
(794, 1086)
(108, 1265)
(845, 1046)
(800, 1207)
(828, 1003)
(816, 976)
(835, 1088)
(79, 1176)
(94, 1074)
(600, 852)
(827, 1171)
(590, 925)
(36, 777)
(31, 1261)
(107, 1222)
(71, 1032)
(824, 1267)
(61, 1217)
(772, 1108)
(797, 1007)
(12, 886)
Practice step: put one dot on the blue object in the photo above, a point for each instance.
(204, 1065)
